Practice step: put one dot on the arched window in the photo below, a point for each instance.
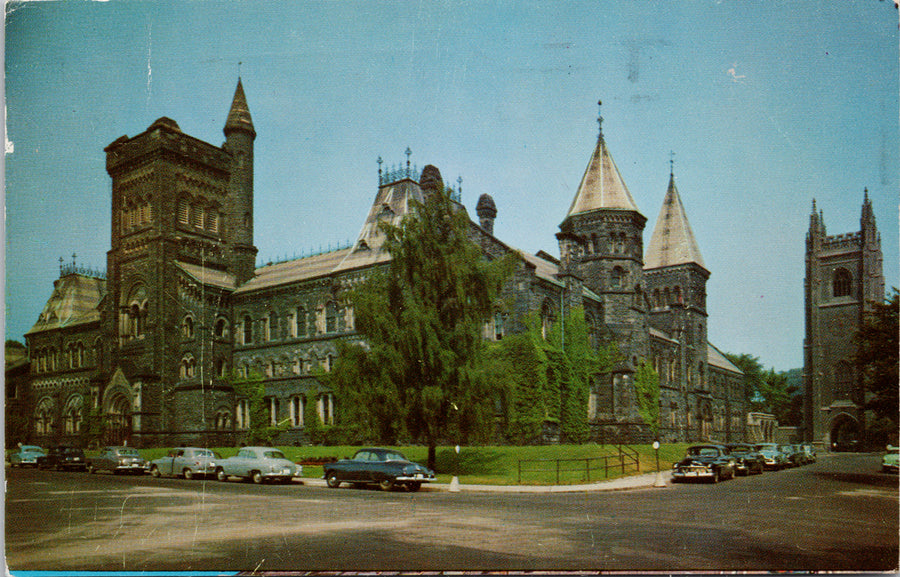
(186, 370)
(43, 417)
(197, 216)
(842, 283)
(248, 330)
(212, 220)
(676, 295)
(546, 319)
(223, 420)
(499, 325)
(187, 327)
(73, 414)
(220, 330)
(184, 212)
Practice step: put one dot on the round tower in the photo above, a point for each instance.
(239, 137)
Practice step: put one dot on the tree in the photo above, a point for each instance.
(421, 317)
(769, 391)
(876, 358)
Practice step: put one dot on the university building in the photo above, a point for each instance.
(182, 304)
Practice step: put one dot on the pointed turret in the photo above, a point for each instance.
(602, 185)
(239, 115)
(673, 241)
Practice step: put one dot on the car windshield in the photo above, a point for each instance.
(273, 454)
(766, 447)
(31, 449)
(129, 452)
(786, 449)
(736, 450)
(204, 453)
(703, 452)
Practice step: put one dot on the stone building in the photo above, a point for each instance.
(182, 304)
(843, 279)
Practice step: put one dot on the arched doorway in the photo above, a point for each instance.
(118, 420)
(845, 433)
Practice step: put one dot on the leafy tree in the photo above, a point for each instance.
(646, 388)
(313, 426)
(421, 318)
(768, 391)
(876, 358)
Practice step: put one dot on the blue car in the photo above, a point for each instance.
(26, 456)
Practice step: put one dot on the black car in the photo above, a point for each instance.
(748, 461)
(383, 467)
(63, 457)
(710, 462)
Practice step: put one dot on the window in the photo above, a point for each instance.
(220, 367)
(196, 216)
(546, 320)
(498, 326)
(187, 327)
(297, 411)
(242, 414)
(73, 416)
(188, 365)
(842, 283)
(223, 420)
(273, 411)
(248, 330)
(301, 322)
(331, 317)
(184, 212)
(212, 220)
(843, 381)
(220, 330)
(43, 417)
(677, 295)
(617, 279)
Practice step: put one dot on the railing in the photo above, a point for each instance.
(626, 459)
(67, 269)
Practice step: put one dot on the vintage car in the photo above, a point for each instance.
(773, 458)
(890, 459)
(187, 462)
(747, 460)
(810, 453)
(711, 462)
(25, 456)
(374, 466)
(63, 457)
(793, 455)
(259, 464)
(118, 460)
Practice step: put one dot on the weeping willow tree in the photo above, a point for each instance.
(419, 373)
(549, 379)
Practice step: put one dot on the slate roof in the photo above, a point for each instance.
(673, 241)
(602, 185)
(208, 276)
(74, 301)
(717, 359)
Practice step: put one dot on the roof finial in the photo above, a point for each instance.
(379, 161)
(408, 152)
(73, 260)
(61, 260)
(866, 194)
(671, 163)
(239, 69)
(600, 117)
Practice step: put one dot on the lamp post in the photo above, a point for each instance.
(454, 481)
(659, 480)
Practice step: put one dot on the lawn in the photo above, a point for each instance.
(499, 465)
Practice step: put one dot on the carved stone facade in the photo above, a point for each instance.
(183, 305)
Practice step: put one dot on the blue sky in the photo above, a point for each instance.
(766, 105)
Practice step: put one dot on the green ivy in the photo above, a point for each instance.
(646, 388)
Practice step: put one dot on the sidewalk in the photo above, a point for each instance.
(643, 481)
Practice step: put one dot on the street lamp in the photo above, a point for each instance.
(659, 480)
(454, 481)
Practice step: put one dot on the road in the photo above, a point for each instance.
(838, 514)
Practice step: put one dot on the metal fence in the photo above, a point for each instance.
(624, 460)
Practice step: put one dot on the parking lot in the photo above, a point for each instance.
(840, 513)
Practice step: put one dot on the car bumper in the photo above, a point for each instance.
(890, 467)
(693, 473)
(134, 468)
(418, 478)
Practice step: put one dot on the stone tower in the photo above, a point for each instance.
(181, 240)
(601, 243)
(843, 278)
(675, 277)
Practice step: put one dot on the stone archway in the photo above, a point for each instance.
(118, 420)
(845, 433)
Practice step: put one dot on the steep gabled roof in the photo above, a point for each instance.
(717, 358)
(602, 185)
(673, 241)
(239, 115)
(74, 301)
(208, 276)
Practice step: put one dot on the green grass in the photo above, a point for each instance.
(492, 465)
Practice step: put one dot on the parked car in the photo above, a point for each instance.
(710, 462)
(890, 459)
(374, 466)
(810, 452)
(118, 460)
(63, 457)
(772, 456)
(747, 460)
(186, 462)
(793, 455)
(25, 456)
(258, 464)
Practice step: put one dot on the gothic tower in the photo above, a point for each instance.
(675, 277)
(601, 243)
(843, 278)
(177, 252)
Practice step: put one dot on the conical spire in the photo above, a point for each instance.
(239, 115)
(602, 185)
(673, 241)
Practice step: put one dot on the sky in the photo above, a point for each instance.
(765, 105)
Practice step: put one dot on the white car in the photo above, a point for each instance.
(187, 462)
(259, 464)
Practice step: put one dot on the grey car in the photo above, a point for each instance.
(118, 460)
(258, 464)
(187, 462)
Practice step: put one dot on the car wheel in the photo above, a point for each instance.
(188, 474)
(220, 474)
(413, 487)
(715, 477)
(154, 470)
(331, 480)
(386, 484)
(256, 477)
